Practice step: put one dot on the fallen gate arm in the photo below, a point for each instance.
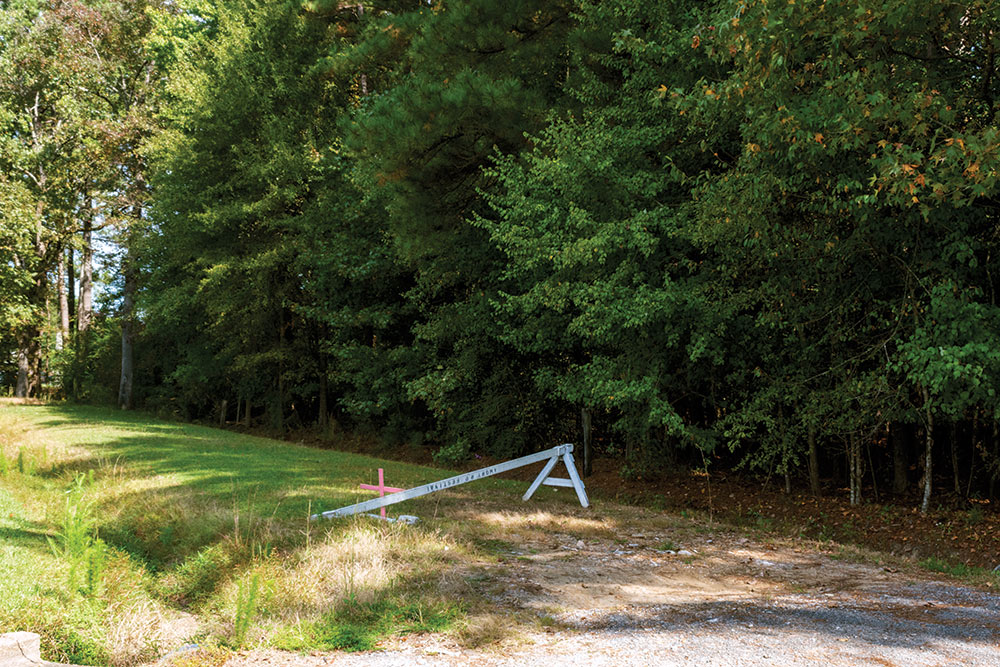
(553, 455)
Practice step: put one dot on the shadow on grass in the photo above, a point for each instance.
(27, 535)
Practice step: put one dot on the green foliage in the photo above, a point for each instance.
(453, 454)
(598, 283)
(88, 369)
(952, 351)
(17, 224)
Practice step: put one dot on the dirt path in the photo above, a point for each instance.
(717, 600)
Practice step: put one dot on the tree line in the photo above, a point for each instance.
(740, 233)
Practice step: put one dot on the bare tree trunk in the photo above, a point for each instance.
(813, 461)
(850, 468)
(871, 468)
(74, 323)
(23, 370)
(128, 333)
(222, 412)
(246, 414)
(85, 305)
(29, 363)
(854, 467)
(70, 289)
(587, 458)
(62, 335)
(928, 447)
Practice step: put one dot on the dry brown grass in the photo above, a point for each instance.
(485, 629)
(516, 526)
(356, 560)
(132, 620)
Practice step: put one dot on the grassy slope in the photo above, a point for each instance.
(214, 524)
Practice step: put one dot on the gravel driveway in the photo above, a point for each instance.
(722, 601)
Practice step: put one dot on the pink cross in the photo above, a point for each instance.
(381, 488)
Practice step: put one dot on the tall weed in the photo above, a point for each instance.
(77, 541)
(25, 465)
(247, 602)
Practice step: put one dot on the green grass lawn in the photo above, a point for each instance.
(116, 529)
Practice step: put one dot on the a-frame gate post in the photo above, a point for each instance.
(565, 452)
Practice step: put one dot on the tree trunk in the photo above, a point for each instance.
(128, 329)
(850, 468)
(899, 462)
(23, 371)
(587, 458)
(813, 461)
(71, 289)
(85, 307)
(29, 363)
(246, 413)
(854, 467)
(128, 369)
(222, 413)
(928, 446)
(62, 335)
